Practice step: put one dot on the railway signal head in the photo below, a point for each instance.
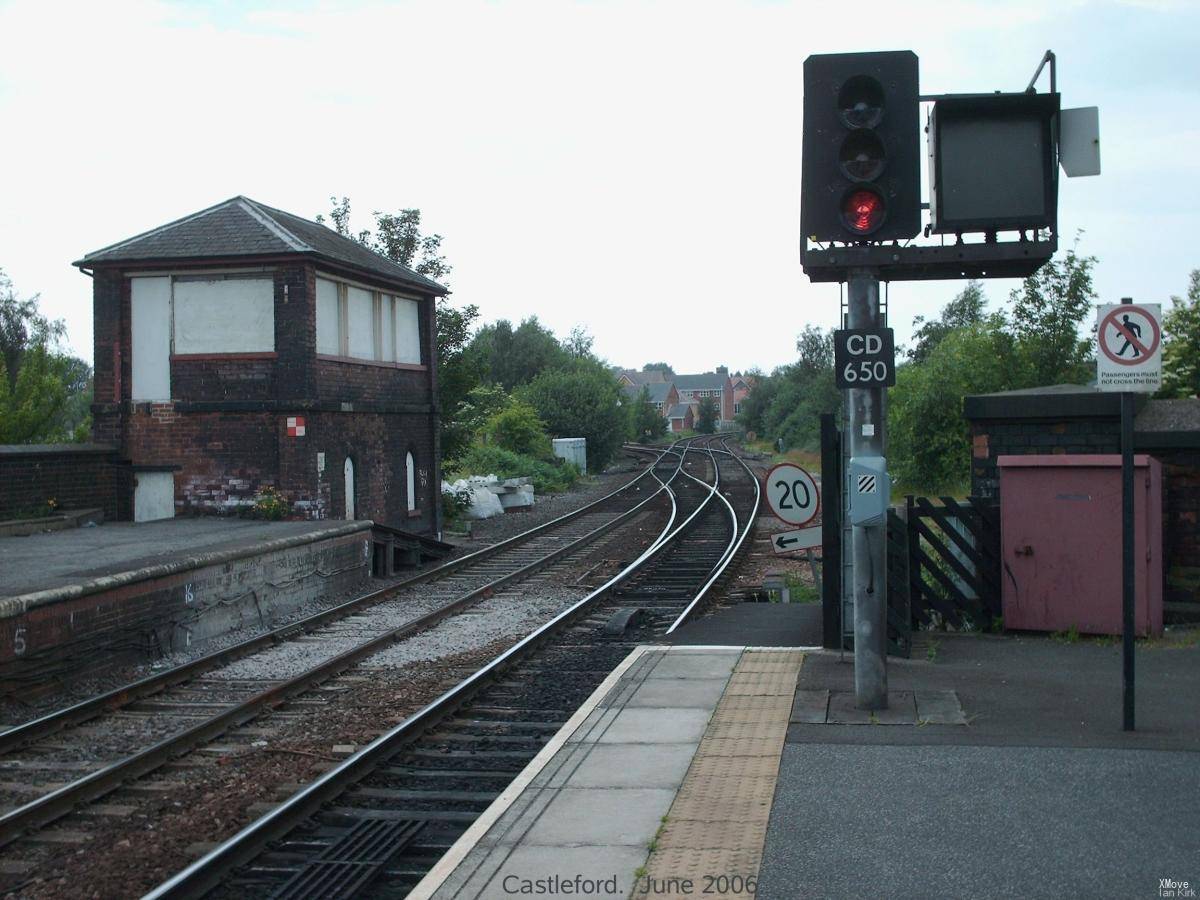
(861, 144)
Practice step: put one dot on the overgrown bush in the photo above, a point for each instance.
(548, 477)
(518, 429)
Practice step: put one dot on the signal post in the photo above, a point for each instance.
(993, 169)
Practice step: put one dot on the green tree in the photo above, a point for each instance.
(647, 422)
(967, 309)
(1045, 317)
(706, 420)
(929, 440)
(518, 429)
(582, 399)
(1181, 345)
(752, 413)
(805, 389)
(45, 394)
(578, 342)
(510, 357)
(398, 237)
(659, 367)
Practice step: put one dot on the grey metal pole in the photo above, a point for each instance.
(865, 419)
(1127, 562)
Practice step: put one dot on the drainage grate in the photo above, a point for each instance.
(352, 861)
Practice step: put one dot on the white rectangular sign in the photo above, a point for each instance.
(799, 539)
(1129, 347)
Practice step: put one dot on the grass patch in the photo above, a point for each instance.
(800, 591)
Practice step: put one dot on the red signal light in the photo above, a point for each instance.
(863, 211)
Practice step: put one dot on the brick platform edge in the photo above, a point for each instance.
(56, 636)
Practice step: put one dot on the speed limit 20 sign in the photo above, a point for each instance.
(864, 357)
(792, 494)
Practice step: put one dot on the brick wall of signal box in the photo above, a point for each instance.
(226, 428)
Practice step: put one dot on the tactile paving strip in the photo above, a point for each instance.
(714, 833)
(762, 684)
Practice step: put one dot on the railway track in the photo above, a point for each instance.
(375, 824)
(53, 765)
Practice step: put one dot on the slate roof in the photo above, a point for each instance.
(241, 227)
(679, 411)
(709, 381)
(658, 390)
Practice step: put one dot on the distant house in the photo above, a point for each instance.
(716, 385)
(663, 394)
(629, 377)
(742, 385)
(680, 418)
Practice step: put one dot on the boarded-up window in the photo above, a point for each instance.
(329, 320)
(360, 323)
(224, 315)
(408, 332)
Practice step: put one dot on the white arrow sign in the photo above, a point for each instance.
(799, 539)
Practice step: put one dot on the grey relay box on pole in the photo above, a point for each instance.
(869, 489)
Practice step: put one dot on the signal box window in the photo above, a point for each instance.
(355, 323)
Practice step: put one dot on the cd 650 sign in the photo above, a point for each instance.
(864, 357)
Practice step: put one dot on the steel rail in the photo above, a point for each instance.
(57, 803)
(206, 873)
(735, 546)
(77, 713)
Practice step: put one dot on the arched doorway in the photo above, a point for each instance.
(410, 481)
(348, 470)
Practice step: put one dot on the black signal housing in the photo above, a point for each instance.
(861, 137)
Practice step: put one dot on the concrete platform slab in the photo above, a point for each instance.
(679, 692)
(630, 765)
(589, 817)
(658, 725)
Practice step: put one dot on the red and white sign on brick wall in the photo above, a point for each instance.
(295, 426)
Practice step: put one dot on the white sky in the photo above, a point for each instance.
(631, 167)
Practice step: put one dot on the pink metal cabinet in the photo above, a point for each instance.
(1060, 534)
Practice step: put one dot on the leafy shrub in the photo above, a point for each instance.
(548, 477)
(518, 430)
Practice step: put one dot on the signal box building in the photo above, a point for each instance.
(243, 348)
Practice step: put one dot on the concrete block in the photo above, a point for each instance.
(633, 766)
(656, 725)
(701, 693)
(590, 817)
(714, 664)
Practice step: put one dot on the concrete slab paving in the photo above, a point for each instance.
(702, 693)
(633, 765)
(590, 817)
(656, 725)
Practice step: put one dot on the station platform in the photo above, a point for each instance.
(75, 601)
(999, 769)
